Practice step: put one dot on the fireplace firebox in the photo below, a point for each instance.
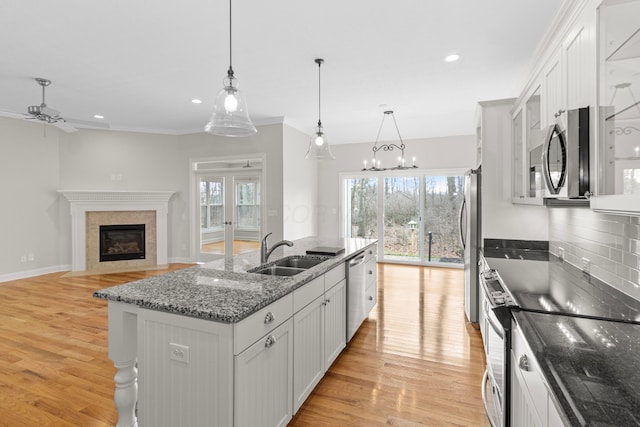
(122, 242)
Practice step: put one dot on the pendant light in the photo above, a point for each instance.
(318, 144)
(230, 113)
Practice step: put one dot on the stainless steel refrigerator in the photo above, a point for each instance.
(470, 237)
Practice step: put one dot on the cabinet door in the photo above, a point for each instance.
(264, 374)
(335, 322)
(554, 106)
(581, 60)
(618, 152)
(308, 362)
(523, 409)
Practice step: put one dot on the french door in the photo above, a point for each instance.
(225, 205)
(414, 216)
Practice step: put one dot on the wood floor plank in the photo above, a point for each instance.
(415, 361)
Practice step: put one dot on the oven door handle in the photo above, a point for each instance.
(485, 378)
(498, 330)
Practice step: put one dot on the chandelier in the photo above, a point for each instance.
(402, 163)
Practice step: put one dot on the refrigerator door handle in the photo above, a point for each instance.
(461, 219)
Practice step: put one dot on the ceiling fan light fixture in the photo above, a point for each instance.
(318, 144)
(230, 113)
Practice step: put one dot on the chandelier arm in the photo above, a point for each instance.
(397, 130)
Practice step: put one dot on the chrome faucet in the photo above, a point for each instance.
(265, 252)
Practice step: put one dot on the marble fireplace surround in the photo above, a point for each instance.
(82, 202)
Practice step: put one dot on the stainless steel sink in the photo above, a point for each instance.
(276, 270)
(300, 261)
(289, 266)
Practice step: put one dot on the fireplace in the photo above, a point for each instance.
(122, 242)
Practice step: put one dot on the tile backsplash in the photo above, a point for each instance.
(610, 243)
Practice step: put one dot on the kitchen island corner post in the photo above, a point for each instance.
(123, 344)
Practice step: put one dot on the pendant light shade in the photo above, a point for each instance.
(318, 144)
(230, 113)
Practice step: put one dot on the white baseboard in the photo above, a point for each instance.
(31, 273)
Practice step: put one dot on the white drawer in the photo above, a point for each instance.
(307, 293)
(260, 323)
(371, 271)
(333, 276)
(370, 298)
(371, 252)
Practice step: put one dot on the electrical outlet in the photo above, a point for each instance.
(23, 258)
(179, 352)
(586, 265)
(31, 257)
(561, 253)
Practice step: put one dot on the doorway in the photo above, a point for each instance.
(227, 208)
(415, 216)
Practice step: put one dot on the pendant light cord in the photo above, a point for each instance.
(230, 72)
(319, 61)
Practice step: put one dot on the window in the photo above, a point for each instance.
(211, 203)
(248, 203)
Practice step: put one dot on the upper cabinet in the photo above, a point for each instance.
(618, 154)
(562, 80)
(527, 150)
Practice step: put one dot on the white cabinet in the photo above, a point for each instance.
(531, 402)
(319, 331)
(618, 151)
(335, 318)
(563, 78)
(264, 375)
(185, 371)
(371, 272)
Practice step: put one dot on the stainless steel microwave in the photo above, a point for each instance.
(565, 157)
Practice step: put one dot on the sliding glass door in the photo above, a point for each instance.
(401, 207)
(415, 217)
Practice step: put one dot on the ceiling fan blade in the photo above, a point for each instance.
(65, 126)
(88, 124)
(13, 115)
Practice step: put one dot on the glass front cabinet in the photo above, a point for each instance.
(618, 155)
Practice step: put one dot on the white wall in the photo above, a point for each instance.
(501, 219)
(433, 153)
(30, 213)
(33, 167)
(300, 186)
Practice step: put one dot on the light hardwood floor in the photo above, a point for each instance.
(239, 247)
(414, 362)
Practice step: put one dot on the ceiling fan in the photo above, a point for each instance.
(48, 115)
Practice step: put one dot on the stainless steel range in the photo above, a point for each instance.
(495, 324)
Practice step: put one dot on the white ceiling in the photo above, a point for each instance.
(139, 63)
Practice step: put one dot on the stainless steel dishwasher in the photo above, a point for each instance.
(356, 287)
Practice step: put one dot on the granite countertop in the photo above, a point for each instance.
(585, 335)
(223, 290)
(592, 366)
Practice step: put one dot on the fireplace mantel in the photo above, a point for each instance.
(83, 201)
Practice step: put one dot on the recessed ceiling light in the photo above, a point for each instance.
(98, 116)
(451, 58)
(196, 101)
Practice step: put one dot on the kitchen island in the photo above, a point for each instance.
(194, 340)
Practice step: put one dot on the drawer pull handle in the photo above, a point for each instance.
(271, 340)
(269, 318)
(523, 363)
(370, 298)
(370, 271)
